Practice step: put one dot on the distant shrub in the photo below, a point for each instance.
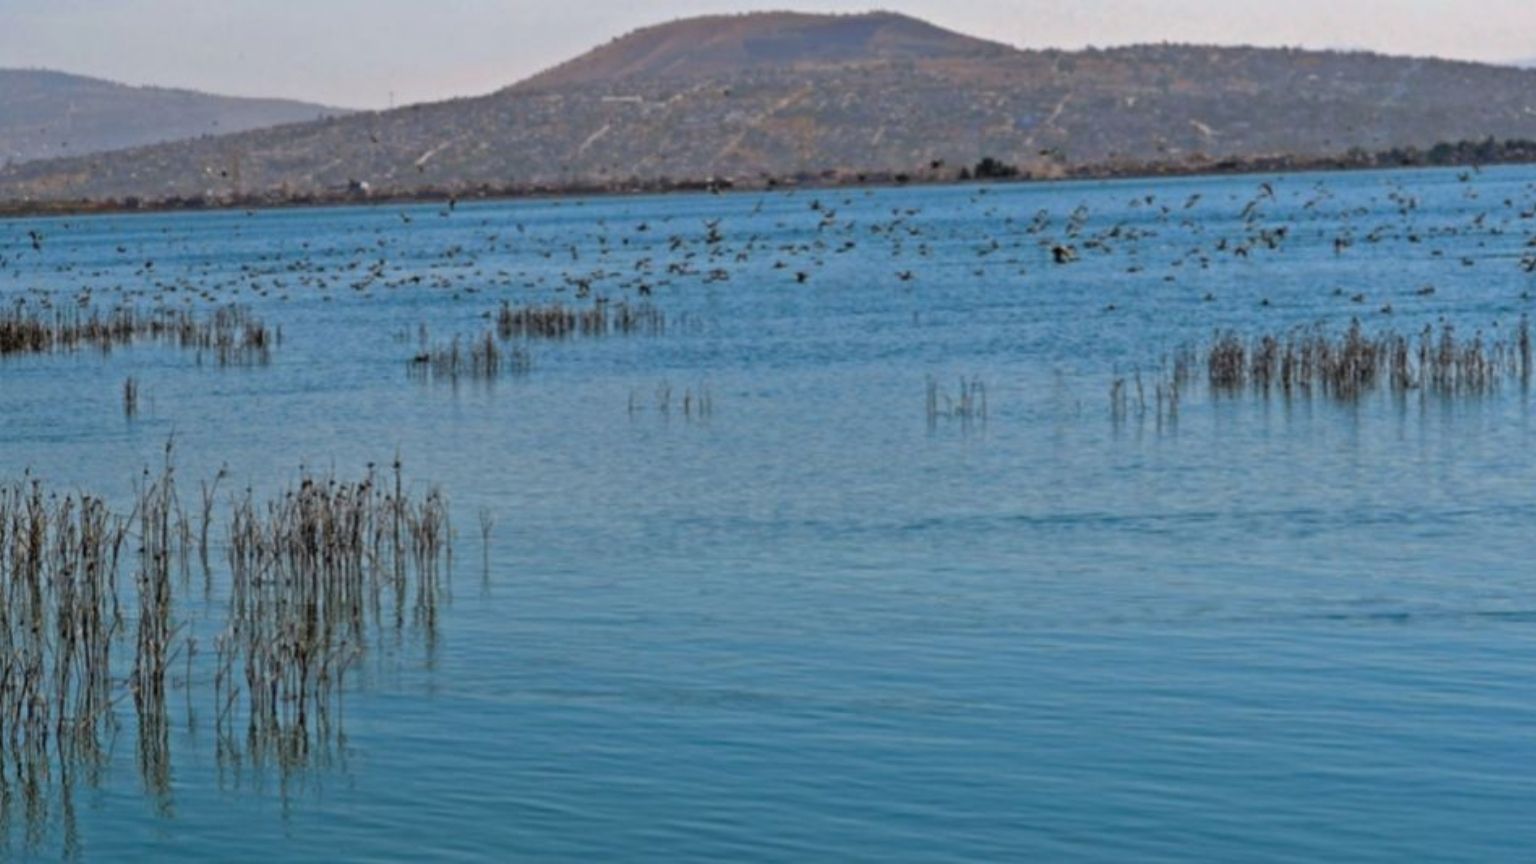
(992, 169)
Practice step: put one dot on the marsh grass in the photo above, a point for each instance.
(1346, 367)
(695, 402)
(229, 335)
(968, 403)
(1131, 397)
(558, 321)
(310, 573)
(317, 574)
(487, 525)
(130, 397)
(1354, 363)
(482, 360)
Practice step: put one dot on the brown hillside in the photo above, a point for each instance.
(792, 96)
(731, 44)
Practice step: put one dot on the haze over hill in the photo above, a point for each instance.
(50, 114)
(781, 95)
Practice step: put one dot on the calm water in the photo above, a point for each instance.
(814, 625)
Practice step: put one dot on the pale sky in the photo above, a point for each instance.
(356, 53)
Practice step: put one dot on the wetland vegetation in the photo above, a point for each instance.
(100, 611)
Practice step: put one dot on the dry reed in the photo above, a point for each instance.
(1353, 364)
(483, 360)
(130, 397)
(969, 402)
(557, 321)
(694, 403)
(232, 335)
(316, 573)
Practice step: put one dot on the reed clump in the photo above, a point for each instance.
(558, 321)
(310, 572)
(232, 335)
(59, 620)
(316, 574)
(130, 397)
(1352, 364)
(164, 539)
(1132, 397)
(487, 525)
(967, 403)
(481, 359)
(692, 402)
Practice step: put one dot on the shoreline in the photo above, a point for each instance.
(1465, 154)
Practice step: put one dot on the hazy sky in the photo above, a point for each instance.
(357, 52)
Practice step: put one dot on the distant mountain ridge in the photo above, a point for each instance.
(50, 114)
(786, 96)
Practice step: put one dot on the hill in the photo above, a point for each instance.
(729, 44)
(50, 114)
(780, 95)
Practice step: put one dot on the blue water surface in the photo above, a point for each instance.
(818, 624)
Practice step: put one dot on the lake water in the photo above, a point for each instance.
(818, 623)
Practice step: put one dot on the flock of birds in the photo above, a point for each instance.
(594, 251)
